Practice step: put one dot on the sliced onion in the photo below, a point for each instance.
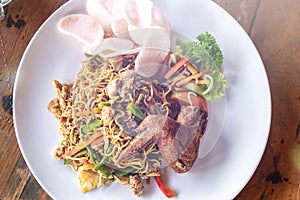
(211, 84)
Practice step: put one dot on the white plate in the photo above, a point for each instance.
(220, 175)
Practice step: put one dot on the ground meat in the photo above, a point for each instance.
(61, 149)
(54, 108)
(136, 185)
(61, 108)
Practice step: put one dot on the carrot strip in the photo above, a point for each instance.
(191, 68)
(190, 78)
(201, 82)
(176, 67)
(82, 145)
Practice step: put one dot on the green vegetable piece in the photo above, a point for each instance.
(89, 127)
(67, 161)
(102, 168)
(209, 44)
(91, 154)
(136, 111)
(205, 54)
(194, 88)
(104, 158)
(219, 84)
(110, 149)
(106, 173)
(101, 163)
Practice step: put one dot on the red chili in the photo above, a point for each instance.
(165, 189)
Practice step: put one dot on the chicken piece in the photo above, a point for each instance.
(58, 105)
(145, 135)
(124, 76)
(189, 115)
(54, 108)
(175, 144)
(126, 81)
(163, 131)
(136, 185)
(107, 115)
(186, 159)
(178, 143)
(84, 28)
(112, 88)
(61, 108)
(121, 86)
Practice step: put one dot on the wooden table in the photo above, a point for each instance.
(273, 25)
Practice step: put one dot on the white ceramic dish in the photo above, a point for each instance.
(220, 175)
(5, 2)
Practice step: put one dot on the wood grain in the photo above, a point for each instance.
(275, 30)
(244, 11)
(276, 35)
(22, 20)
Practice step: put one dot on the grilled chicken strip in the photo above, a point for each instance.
(190, 115)
(178, 141)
